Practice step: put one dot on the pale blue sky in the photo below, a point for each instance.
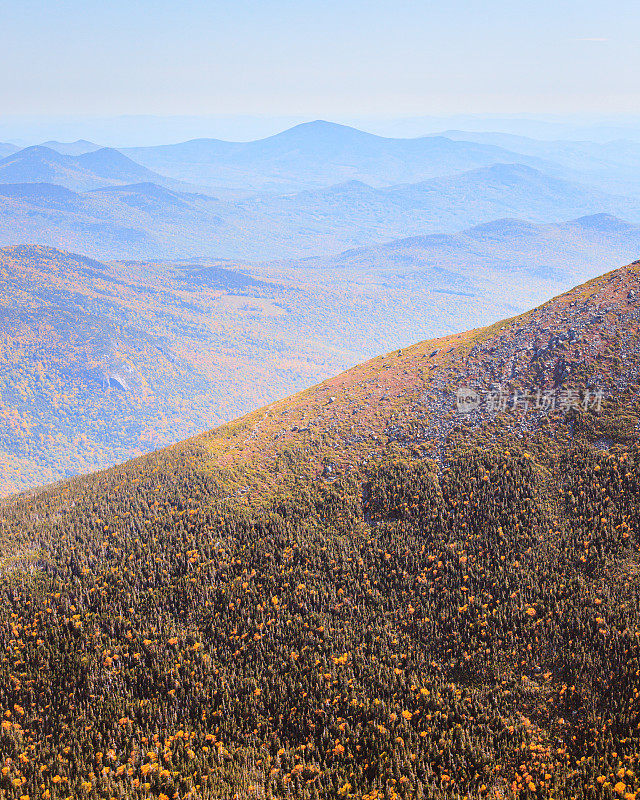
(318, 59)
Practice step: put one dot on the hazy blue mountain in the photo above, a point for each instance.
(612, 166)
(516, 187)
(319, 154)
(76, 148)
(523, 258)
(144, 220)
(7, 149)
(150, 197)
(90, 170)
(112, 165)
(509, 262)
(41, 194)
(502, 243)
(132, 221)
(354, 212)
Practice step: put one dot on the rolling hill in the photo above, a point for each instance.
(148, 220)
(87, 170)
(354, 213)
(510, 257)
(612, 166)
(319, 154)
(366, 590)
(126, 221)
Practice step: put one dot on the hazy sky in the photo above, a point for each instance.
(323, 59)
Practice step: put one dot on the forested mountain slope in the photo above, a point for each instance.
(356, 592)
(100, 362)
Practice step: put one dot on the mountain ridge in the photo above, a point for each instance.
(76, 148)
(209, 327)
(455, 354)
(317, 154)
(610, 303)
(374, 587)
(101, 222)
(86, 170)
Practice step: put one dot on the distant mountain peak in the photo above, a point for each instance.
(506, 225)
(323, 125)
(71, 148)
(107, 155)
(34, 151)
(322, 130)
(38, 163)
(602, 222)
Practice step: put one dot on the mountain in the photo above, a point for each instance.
(103, 361)
(150, 197)
(354, 213)
(7, 149)
(126, 221)
(48, 195)
(147, 219)
(88, 170)
(76, 148)
(386, 586)
(610, 166)
(112, 165)
(319, 154)
(523, 260)
(515, 187)
(100, 362)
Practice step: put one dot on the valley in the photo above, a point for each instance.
(103, 361)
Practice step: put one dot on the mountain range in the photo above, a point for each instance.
(417, 577)
(152, 220)
(511, 257)
(77, 148)
(235, 297)
(354, 212)
(612, 166)
(314, 190)
(319, 154)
